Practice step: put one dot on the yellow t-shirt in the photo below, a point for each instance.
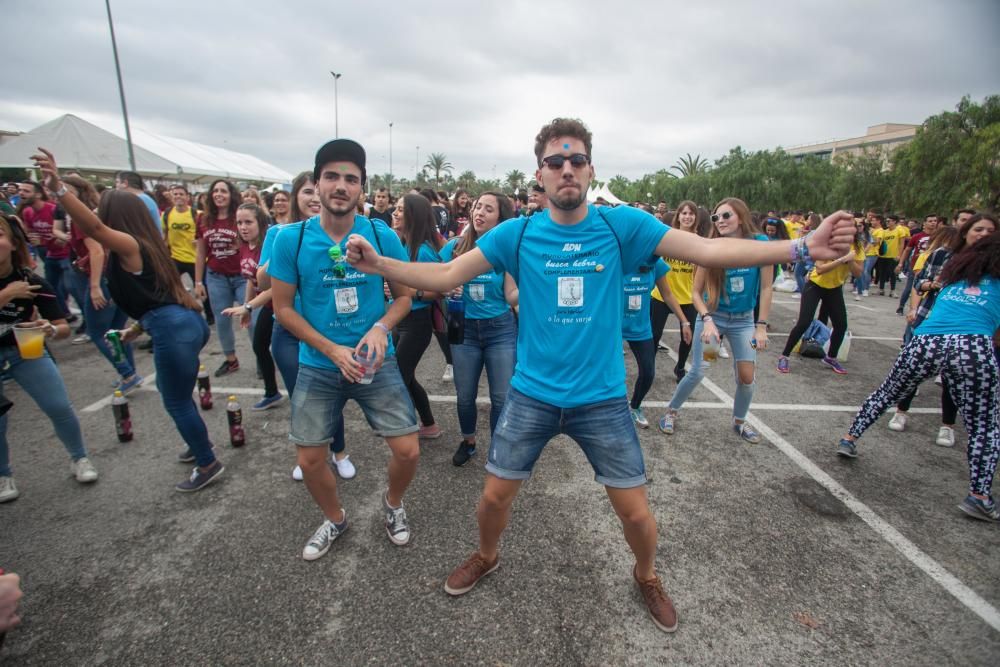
(793, 228)
(836, 277)
(680, 279)
(921, 260)
(180, 234)
(894, 239)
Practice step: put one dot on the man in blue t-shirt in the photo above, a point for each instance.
(569, 263)
(341, 319)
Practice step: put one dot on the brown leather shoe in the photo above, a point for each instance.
(468, 574)
(660, 607)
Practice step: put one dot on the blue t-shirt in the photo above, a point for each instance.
(341, 309)
(265, 247)
(426, 254)
(483, 295)
(154, 210)
(740, 288)
(961, 309)
(636, 324)
(570, 285)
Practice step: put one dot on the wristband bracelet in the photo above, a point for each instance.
(706, 318)
(382, 327)
(685, 324)
(760, 322)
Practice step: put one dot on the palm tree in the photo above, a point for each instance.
(437, 162)
(515, 178)
(689, 166)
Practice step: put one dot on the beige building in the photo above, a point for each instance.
(887, 137)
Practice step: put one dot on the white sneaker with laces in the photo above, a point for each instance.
(344, 467)
(449, 373)
(946, 437)
(723, 353)
(898, 421)
(8, 490)
(83, 470)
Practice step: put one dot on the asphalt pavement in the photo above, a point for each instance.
(776, 553)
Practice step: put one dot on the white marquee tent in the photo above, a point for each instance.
(603, 192)
(80, 145)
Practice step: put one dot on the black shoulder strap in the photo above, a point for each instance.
(302, 233)
(621, 254)
(378, 242)
(517, 250)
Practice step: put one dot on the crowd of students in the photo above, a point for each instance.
(342, 298)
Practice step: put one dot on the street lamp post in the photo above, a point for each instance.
(390, 158)
(416, 165)
(336, 111)
(121, 88)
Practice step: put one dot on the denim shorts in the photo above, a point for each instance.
(603, 430)
(320, 395)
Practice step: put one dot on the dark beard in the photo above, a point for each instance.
(346, 210)
(568, 202)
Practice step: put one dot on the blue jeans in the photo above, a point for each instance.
(800, 276)
(864, 281)
(223, 292)
(285, 351)
(493, 343)
(603, 430)
(40, 379)
(99, 322)
(178, 336)
(737, 329)
(57, 274)
(318, 404)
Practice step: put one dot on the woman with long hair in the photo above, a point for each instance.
(217, 264)
(304, 203)
(957, 341)
(724, 300)
(825, 285)
(680, 278)
(490, 327)
(21, 292)
(462, 210)
(144, 282)
(947, 241)
(864, 281)
(423, 244)
(280, 210)
(100, 313)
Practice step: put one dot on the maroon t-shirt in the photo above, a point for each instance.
(40, 222)
(222, 245)
(249, 258)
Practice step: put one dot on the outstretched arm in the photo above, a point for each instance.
(420, 275)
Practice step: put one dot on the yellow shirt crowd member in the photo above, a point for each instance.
(793, 228)
(894, 240)
(837, 276)
(680, 279)
(180, 230)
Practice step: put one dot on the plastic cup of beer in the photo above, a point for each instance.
(30, 340)
(367, 366)
(710, 350)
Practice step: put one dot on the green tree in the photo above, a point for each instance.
(689, 166)
(466, 179)
(514, 179)
(863, 181)
(437, 163)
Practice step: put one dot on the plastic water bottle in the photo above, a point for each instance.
(237, 438)
(123, 421)
(456, 320)
(204, 389)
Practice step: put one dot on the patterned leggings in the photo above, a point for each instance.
(971, 370)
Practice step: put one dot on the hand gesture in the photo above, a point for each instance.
(97, 298)
(376, 341)
(686, 335)
(833, 237)
(343, 357)
(361, 255)
(20, 289)
(46, 162)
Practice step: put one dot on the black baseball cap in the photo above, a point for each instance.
(340, 150)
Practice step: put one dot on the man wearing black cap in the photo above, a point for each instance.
(343, 320)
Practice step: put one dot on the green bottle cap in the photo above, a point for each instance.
(334, 253)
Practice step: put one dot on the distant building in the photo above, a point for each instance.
(887, 136)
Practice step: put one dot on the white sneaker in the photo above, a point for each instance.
(945, 438)
(865, 293)
(898, 421)
(857, 297)
(324, 536)
(723, 353)
(83, 470)
(344, 467)
(297, 474)
(81, 339)
(449, 373)
(8, 490)
(937, 380)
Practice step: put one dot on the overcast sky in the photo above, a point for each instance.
(475, 81)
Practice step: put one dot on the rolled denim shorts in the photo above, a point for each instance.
(320, 395)
(604, 431)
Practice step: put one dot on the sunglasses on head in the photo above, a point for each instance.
(722, 216)
(556, 162)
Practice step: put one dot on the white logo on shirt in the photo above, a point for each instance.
(347, 300)
(735, 284)
(570, 292)
(572, 247)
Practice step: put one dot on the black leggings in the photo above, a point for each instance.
(658, 314)
(832, 299)
(885, 269)
(442, 339)
(262, 349)
(414, 336)
(645, 357)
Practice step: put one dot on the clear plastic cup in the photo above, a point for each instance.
(30, 340)
(710, 350)
(367, 365)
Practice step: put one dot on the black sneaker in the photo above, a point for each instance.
(464, 452)
(187, 456)
(227, 367)
(200, 479)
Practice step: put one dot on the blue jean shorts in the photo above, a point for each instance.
(320, 395)
(603, 430)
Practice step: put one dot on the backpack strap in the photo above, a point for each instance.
(611, 229)
(517, 251)
(378, 243)
(298, 248)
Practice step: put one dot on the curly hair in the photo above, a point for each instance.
(562, 127)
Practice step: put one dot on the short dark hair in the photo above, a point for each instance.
(536, 187)
(970, 211)
(562, 127)
(132, 179)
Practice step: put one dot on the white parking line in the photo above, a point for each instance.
(896, 339)
(952, 584)
(148, 383)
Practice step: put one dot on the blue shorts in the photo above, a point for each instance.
(320, 395)
(603, 430)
